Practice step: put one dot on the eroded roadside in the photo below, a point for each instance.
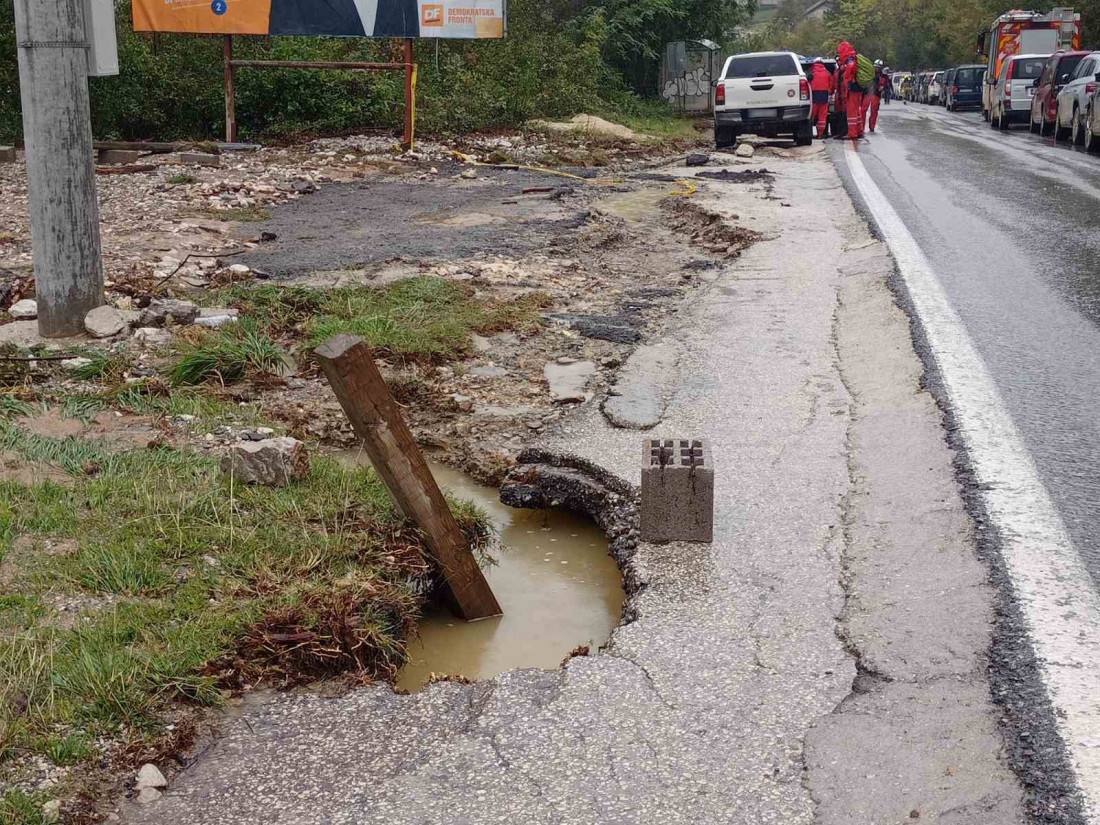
(763, 678)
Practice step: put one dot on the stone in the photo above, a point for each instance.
(25, 310)
(200, 159)
(469, 174)
(148, 795)
(152, 336)
(275, 462)
(7, 154)
(103, 322)
(568, 381)
(216, 317)
(159, 311)
(677, 500)
(150, 777)
(239, 269)
(745, 150)
(73, 364)
(51, 811)
(463, 403)
(698, 159)
(118, 157)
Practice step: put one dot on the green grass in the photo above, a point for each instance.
(195, 584)
(422, 318)
(226, 355)
(106, 367)
(181, 180)
(20, 808)
(12, 407)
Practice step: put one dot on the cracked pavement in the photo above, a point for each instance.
(823, 661)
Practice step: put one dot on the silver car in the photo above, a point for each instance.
(1075, 99)
(1010, 97)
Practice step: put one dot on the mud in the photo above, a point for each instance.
(354, 225)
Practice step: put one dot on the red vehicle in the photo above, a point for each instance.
(1044, 103)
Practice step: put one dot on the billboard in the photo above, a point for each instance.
(341, 18)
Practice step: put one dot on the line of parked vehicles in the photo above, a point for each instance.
(1036, 73)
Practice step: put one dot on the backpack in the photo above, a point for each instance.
(865, 72)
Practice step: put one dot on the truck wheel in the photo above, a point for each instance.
(724, 137)
(804, 136)
(1092, 140)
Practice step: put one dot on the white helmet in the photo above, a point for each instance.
(878, 64)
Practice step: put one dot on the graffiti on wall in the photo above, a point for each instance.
(693, 83)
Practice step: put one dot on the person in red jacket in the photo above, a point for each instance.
(820, 84)
(873, 100)
(850, 89)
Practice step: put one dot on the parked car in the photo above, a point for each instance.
(935, 89)
(1044, 102)
(762, 93)
(1010, 97)
(964, 87)
(1075, 98)
(1092, 122)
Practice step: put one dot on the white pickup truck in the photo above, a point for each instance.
(762, 93)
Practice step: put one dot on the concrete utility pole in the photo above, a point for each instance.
(57, 130)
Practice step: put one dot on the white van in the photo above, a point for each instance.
(1010, 97)
(762, 93)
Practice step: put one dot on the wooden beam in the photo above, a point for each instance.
(140, 146)
(230, 92)
(317, 64)
(410, 91)
(354, 377)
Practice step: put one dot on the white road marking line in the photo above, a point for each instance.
(1059, 604)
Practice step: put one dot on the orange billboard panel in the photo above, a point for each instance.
(203, 16)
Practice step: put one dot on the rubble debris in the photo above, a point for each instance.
(745, 150)
(118, 157)
(200, 159)
(274, 462)
(698, 159)
(744, 176)
(150, 777)
(159, 311)
(7, 154)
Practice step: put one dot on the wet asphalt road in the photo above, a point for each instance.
(1011, 224)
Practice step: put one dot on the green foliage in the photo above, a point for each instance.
(20, 808)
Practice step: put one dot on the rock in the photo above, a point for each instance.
(567, 381)
(469, 174)
(200, 159)
(159, 311)
(698, 159)
(148, 795)
(221, 320)
(745, 150)
(118, 157)
(25, 310)
(275, 462)
(7, 154)
(103, 322)
(152, 336)
(51, 811)
(73, 364)
(464, 403)
(239, 269)
(150, 777)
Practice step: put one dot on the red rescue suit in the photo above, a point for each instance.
(820, 85)
(877, 91)
(846, 85)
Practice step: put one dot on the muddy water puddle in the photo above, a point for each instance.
(556, 583)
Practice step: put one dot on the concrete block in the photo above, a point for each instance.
(7, 154)
(677, 502)
(200, 159)
(118, 157)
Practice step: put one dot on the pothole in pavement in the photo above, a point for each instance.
(554, 579)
